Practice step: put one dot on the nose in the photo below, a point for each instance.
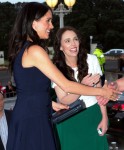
(51, 26)
(73, 42)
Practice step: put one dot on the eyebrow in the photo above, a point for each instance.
(66, 39)
(70, 38)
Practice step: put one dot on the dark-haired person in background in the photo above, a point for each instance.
(5, 116)
(10, 89)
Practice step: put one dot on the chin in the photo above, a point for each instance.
(45, 38)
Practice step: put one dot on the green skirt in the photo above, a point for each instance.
(80, 131)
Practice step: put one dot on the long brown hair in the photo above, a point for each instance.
(22, 28)
(59, 57)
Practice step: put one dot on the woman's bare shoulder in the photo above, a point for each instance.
(36, 51)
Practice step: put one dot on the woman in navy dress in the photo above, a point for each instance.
(30, 126)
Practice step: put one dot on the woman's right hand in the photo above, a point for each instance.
(91, 80)
(58, 106)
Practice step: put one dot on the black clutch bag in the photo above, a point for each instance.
(64, 114)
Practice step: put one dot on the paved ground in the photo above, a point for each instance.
(114, 140)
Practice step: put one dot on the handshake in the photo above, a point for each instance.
(118, 86)
(111, 90)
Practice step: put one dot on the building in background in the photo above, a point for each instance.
(1, 57)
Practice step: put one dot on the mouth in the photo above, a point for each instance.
(48, 31)
(73, 49)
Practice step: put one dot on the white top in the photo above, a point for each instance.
(93, 67)
(4, 130)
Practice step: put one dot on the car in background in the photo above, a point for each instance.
(115, 131)
(114, 52)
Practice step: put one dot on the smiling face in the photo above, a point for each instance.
(43, 26)
(69, 44)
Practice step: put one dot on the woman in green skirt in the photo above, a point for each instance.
(85, 130)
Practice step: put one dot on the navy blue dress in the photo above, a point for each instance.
(30, 126)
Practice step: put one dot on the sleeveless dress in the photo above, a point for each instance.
(30, 126)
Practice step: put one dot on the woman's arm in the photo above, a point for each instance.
(103, 125)
(67, 98)
(58, 106)
(37, 57)
(64, 97)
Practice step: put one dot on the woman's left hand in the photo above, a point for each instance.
(59, 106)
(101, 100)
(103, 126)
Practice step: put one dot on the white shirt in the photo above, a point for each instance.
(94, 68)
(4, 130)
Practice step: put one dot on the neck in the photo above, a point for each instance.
(72, 62)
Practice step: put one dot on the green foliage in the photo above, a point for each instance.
(103, 19)
(7, 17)
(97, 18)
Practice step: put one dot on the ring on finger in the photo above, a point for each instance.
(93, 83)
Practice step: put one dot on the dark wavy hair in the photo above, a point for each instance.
(59, 57)
(22, 28)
